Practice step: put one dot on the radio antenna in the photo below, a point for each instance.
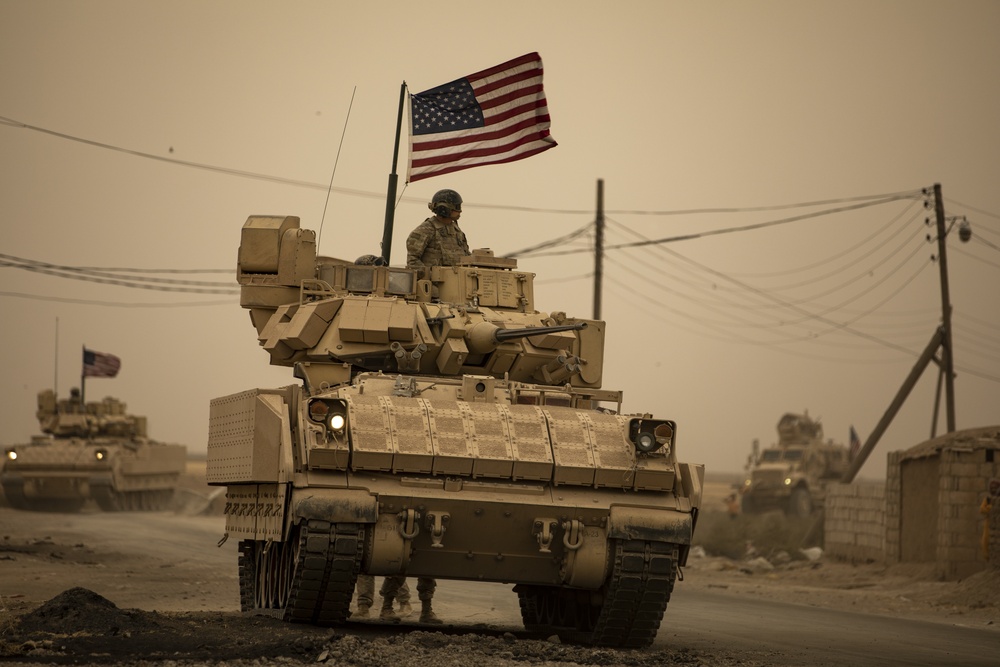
(335, 161)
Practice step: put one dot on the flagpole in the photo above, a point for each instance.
(390, 200)
(55, 379)
(83, 376)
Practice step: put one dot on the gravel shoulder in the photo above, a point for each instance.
(138, 589)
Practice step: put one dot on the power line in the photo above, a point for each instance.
(552, 242)
(116, 304)
(11, 122)
(825, 310)
(863, 243)
(77, 272)
(771, 223)
(135, 284)
(874, 200)
(972, 208)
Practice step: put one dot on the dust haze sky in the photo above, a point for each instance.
(677, 106)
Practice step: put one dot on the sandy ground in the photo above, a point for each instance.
(77, 589)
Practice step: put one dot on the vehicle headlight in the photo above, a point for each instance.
(649, 435)
(101, 454)
(330, 412)
(11, 455)
(788, 481)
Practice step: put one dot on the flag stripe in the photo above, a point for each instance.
(483, 148)
(510, 123)
(526, 81)
(470, 138)
(505, 120)
(505, 106)
(99, 364)
(528, 58)
(458, 166)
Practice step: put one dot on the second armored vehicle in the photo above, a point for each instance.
(442, 428)
(793, 474)
(90, 451)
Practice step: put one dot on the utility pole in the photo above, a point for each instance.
(940, 340)
(947, 358)
(599, 249)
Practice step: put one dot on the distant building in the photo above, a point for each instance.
(928, 510)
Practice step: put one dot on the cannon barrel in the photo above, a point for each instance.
(484, 337)
(510, 334)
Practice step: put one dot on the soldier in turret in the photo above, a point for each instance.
(438, 240)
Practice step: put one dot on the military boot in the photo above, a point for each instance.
(427, 615)
(362, 611)
(387, 614)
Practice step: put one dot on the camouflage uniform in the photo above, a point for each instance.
(366, 592)
(392, 587)
(433, 243)
(396, 587)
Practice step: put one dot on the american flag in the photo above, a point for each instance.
(99, 364)
(855, 443)
(490, 117)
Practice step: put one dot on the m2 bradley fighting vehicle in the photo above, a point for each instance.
(793, 474)
(442, 428)
(92, 450)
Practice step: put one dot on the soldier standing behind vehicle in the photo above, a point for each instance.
(732, 505)
(366, 595)
(438, 240)
(425, 593)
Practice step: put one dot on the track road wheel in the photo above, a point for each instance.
(107, 499)
(307, 579)
(635, 595)
(626, 612)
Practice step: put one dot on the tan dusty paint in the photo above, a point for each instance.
(477, 443)
(86, 447)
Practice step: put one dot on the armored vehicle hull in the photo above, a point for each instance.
(373, 465)
(92, 452)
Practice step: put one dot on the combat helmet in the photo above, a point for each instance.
(444, 202)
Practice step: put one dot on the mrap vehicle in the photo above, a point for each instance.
(442, 427)
(793, 474)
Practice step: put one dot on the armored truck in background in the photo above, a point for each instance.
(90, 451)
(793, 474)
(442, 427)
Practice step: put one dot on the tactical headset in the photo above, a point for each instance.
(444, 202)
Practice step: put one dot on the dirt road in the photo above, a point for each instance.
(126, 587)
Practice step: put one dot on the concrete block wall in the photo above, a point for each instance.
(854, 521)
(964, 475)
(892, 507)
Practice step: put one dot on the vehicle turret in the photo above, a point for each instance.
(475, 318)
(69, 418)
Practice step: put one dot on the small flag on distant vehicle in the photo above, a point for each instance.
(855, 443)
(99, 364)
(494, 116)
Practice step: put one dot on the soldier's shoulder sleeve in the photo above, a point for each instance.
(416, 243)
